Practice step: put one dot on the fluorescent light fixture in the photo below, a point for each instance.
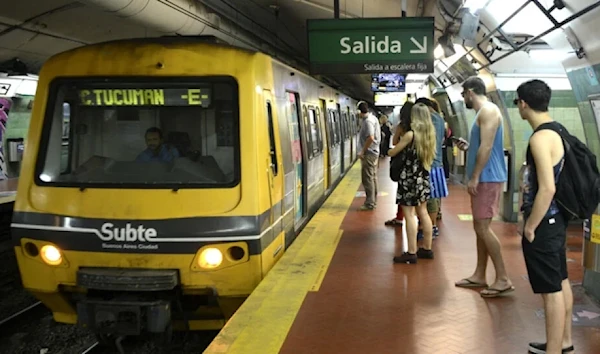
(537, 75)
(474, 5)
(417, 77)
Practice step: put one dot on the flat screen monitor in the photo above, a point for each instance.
(390, 98)
(388, 83)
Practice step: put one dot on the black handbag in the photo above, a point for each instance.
(396, 165)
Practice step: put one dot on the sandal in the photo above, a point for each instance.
(467, 283)
(394, 222)
(491, 292)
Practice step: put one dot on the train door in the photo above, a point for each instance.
(274, 160)
(350, 134)
(342, 131)
(326, 143)
(297, 157)
(334, 156)
(353, 131)
(347, 141)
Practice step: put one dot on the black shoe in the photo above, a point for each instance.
(423, 253)
(406, 258)
(540, 348)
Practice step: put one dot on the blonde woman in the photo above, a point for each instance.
(413, 188)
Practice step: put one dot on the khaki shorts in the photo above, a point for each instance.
(433, 205)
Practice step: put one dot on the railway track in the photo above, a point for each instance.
(91, 349)
(30, 311)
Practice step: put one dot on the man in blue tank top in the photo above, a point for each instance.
(437, 179)
(545, 228)
(487, 173)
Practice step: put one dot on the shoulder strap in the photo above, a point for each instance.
(554, 126)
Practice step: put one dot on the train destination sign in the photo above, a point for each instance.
(371, 45)
(146, 97)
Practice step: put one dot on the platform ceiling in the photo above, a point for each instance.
(33, 30)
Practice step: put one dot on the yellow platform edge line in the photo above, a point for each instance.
(262, 323)
(329, 251)
(7, 199)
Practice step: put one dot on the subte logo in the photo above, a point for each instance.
(108, 232)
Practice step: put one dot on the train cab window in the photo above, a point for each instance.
(315, 132)
(64, 150)
(272, 145)
(160, 134)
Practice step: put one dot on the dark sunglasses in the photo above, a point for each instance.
(516, 101)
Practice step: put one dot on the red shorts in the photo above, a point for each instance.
(485, 204)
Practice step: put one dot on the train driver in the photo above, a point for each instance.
(157, 150)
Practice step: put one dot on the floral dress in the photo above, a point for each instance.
(413, 186)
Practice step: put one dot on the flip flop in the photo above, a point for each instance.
(466, 283)
(497, 292)
(393, 222)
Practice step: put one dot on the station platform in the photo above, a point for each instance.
(337, 290)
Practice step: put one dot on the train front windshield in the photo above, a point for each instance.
(165, 134)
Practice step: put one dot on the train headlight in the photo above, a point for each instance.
(51, 255)
(210, 258)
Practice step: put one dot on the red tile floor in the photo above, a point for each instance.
(367, 304)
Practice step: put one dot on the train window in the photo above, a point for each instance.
(307, 133)
(273, 150)
(64, 150)
(159, 134)
(336, 127)
(330, 126)
(315, 132)
(345, 126)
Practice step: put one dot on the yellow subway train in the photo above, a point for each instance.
(164, 177)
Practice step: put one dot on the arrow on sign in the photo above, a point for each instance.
(588, 314)
(422, 49)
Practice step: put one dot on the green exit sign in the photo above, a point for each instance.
(371, 45)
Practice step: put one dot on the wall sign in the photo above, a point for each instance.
(371, 45)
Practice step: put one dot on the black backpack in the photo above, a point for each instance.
(578, 187)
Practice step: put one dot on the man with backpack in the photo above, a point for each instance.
(545, 224)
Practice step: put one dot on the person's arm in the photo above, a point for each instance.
(371, 131)
(397, 135)
(542, 157)
(404, 141)
(488, 125)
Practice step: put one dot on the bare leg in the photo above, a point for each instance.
(433, 217)
(492, 245)
(426, 223)
(554, 306)
(411, 228)
(567, 341)
(482, 259)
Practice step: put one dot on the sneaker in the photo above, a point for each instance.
(406, 258)
(423, 253)
(420, 235)
(540, 348)
(436, 232)
(365, 207)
